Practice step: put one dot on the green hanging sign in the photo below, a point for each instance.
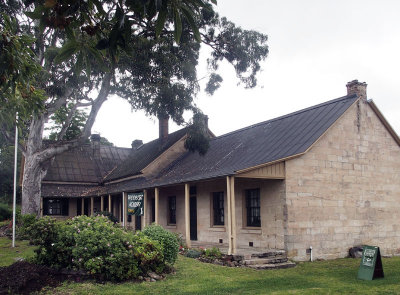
(135, 203)
(371, 264)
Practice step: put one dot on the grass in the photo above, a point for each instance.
(193, 277)
(8, 255)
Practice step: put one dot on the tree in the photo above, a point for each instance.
(144, 51)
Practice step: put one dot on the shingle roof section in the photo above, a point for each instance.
(258, 144)
(144, 155)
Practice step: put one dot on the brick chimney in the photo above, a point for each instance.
(163, 128)
(136, 143)
(358, 88)
(95, 139)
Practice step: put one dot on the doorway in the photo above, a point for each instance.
(193, 218)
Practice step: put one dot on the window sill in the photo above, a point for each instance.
(251, 230)
(171, 226)
(217, 228)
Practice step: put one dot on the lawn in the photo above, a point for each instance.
(193, 277)
(8, 255)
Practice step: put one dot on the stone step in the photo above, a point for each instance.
(273, 254)
(273, 260)
(269, 254)
(288, 264)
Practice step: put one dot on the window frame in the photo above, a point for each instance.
(215, 209)
(171, 213)
(251, 210)
(61, 206)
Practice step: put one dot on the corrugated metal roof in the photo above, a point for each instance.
(144, 155)
(258, 144)
(82, 165)
(262, 143)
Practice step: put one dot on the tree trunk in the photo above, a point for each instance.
(31, 186)
(37, 158)
(33, 174)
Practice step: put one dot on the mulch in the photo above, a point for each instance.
(24, 278)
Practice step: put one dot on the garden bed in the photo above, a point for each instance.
(24, 278)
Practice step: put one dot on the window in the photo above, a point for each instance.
(253, 207)
(172, 210)
(218, 208)
(55, 207)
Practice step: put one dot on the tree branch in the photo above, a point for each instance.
(64, 128)
(11, 139)
(97, 103)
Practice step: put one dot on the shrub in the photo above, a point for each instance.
(167, 239)
(24, 224)
(212, 253)
(181, 240)
(109, 215)
(96, 245)
(193, 253)
(5, 212)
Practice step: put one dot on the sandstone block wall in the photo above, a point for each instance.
(270, 235)
(345, 191)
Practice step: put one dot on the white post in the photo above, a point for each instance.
(15, 179)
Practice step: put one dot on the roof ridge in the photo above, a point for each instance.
(287, 115)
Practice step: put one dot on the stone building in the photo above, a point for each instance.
(327, 177)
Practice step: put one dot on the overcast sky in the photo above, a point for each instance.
(316, 47)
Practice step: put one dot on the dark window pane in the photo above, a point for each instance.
(172, 209)
(253, 207)
(56, 206)
(218, 208)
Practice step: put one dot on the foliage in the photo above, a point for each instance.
(17, 74)
(212, 253)
(96, 245)
(68, 55)
(167, 239)
(181, 240)
(7, 172)
(25, 222)
(193, 253)
(75, 123)
(109, 215)
(5, 212)
(198, 136)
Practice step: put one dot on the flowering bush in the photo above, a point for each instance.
(167, 239)
(96, 245)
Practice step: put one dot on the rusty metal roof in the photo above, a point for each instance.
(83, 165)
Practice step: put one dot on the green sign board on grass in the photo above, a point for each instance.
(371, 264)
(135, 203)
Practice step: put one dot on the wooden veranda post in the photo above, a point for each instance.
(109, 203)
(228, 198)
(233, 214)
(157, 197)
(124, 209)
(83, 206)
(144, 208)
